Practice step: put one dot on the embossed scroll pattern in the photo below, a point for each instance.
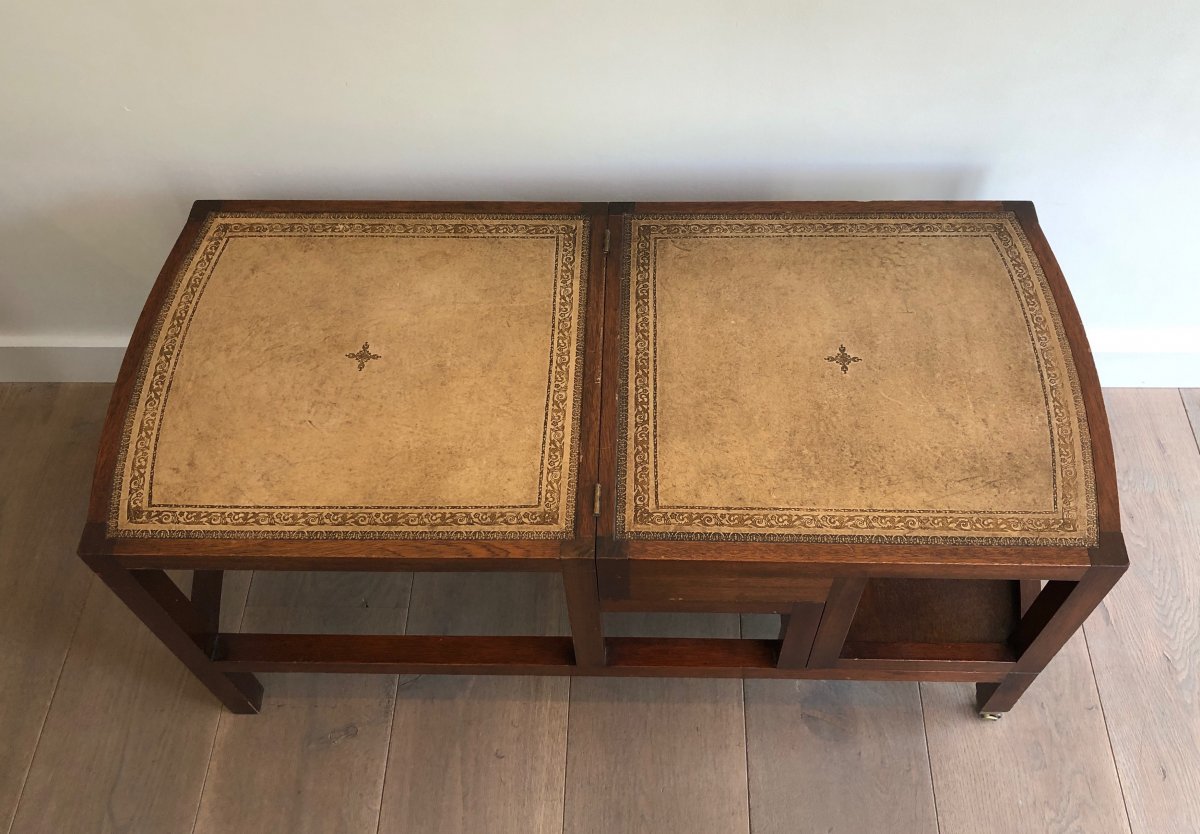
(1073, 519)
(134, 514)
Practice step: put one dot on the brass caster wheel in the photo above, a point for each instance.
(991, 716)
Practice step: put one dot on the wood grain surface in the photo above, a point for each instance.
(858, 746)
(658, 755)
(1145, 637)
(1046, 766)
(471, 753)
(315, 758)
(48, 437)
(127, 740)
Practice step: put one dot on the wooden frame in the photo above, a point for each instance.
(823, 590)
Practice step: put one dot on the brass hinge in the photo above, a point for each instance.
(596, 501)
(607, 240)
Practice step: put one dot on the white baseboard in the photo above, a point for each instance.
(20, 363)
(1148, 370)
(100, 364)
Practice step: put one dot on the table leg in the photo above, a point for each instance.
(1052, 618)
(182, 626)
(1030, 588)
(840, 607)
(583, 610)
(797, 632)
(206, 596)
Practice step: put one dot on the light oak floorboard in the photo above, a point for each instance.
(1145, 639)
(658, 754)
(835, 756)
(314, 758)
(128, 736)
(480, 753)
(1045, 766)
(1191, 402)
(48, 438)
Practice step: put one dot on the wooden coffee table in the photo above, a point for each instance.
(879, 420)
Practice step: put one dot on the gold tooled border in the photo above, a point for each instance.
(766, 523)
(572, 234)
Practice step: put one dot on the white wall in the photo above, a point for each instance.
(116, 115)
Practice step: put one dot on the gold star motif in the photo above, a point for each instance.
(843, 358)
(363, 356)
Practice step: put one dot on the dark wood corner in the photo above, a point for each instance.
(1111, 551)
(1023, 209)
(203, 208)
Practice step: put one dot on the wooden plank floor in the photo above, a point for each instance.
(314, 758)
(480, 753)
(658, 755)
(102, 730)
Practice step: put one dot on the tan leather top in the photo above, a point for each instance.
(342, 376)
(866, 378)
